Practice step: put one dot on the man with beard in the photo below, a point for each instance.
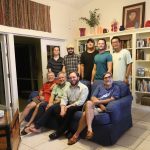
(103, 94)
(87, 62)
(73, 99)
(102, 61)
(71, 61)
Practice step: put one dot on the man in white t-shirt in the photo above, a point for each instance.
(122, 62)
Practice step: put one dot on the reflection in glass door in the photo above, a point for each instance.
(2, 88)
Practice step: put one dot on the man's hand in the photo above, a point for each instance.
(126, 81)
(63, 111)
(41, 97)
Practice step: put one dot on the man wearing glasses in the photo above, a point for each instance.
(103, 94)
(71, 61)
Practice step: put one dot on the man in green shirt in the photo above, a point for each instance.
(102, 61)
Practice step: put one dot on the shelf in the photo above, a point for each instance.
(143, 48)
(143, 77)
(142, 92)
(142, 60)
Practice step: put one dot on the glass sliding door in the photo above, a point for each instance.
(2, 88)
(5, 98)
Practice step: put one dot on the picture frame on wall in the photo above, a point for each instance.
(133, 16)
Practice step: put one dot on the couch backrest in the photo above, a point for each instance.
(124, 88)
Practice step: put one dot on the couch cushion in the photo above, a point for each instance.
(124, 88)
(100, 119)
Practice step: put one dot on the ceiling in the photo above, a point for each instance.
(74, 3)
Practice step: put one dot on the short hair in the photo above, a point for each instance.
(56, 47)
(116, 37)
(50, 73)
(91, 40)
(107, 73)
(61, 72)
(102, 39)
(77, 74)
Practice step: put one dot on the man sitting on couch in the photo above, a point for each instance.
(103, 94)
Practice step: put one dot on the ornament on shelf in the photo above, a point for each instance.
(147, 23)
(114, 26)
(82, 31)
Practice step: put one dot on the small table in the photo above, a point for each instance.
(9, 131)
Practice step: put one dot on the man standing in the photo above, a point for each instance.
(71, 61)
(87, 60)
(103, 94)
(122, 62)
(72, 101)
(102, 61)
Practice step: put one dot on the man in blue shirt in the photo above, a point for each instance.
(103, 94)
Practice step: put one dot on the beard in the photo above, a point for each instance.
(73, 83)
(70, 53)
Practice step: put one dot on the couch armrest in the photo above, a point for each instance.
(120, 109)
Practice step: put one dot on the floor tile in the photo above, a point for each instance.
(129, 141)
(145, 145)
(87, 145)
(142, 124)
(148, 138)
(137, 132)
(33, 140)
(72, 147)
(24, 147)
(53, 145)
(146, 118)
(114, 147)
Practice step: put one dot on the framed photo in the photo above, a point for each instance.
(133, 16)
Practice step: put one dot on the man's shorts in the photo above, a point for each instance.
(97, 110)
(36, 100)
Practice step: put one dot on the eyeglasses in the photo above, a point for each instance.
(108, 77)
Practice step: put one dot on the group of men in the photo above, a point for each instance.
(62, 98)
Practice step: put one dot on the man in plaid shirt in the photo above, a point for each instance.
(71, 61)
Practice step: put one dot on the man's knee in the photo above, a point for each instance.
(31, 105)
(89, 104)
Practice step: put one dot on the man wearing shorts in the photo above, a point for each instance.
(44, 95)
(103, 94)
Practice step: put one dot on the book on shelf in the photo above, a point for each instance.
(140, 54)
(143, 85)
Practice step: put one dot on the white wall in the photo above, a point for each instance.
(111, 9)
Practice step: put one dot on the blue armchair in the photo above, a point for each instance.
(110, 125)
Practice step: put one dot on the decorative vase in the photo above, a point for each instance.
(92, 30)
(82, 31)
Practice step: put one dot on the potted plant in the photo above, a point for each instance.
(93, 19)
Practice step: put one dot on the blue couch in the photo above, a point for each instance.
(110, 125)
(107, 126)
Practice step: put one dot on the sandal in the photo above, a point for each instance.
(54, 135)
(73, 140)
(24, 132)
(89, 135)
(34, 130)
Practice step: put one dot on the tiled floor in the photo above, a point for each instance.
(136, 138)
